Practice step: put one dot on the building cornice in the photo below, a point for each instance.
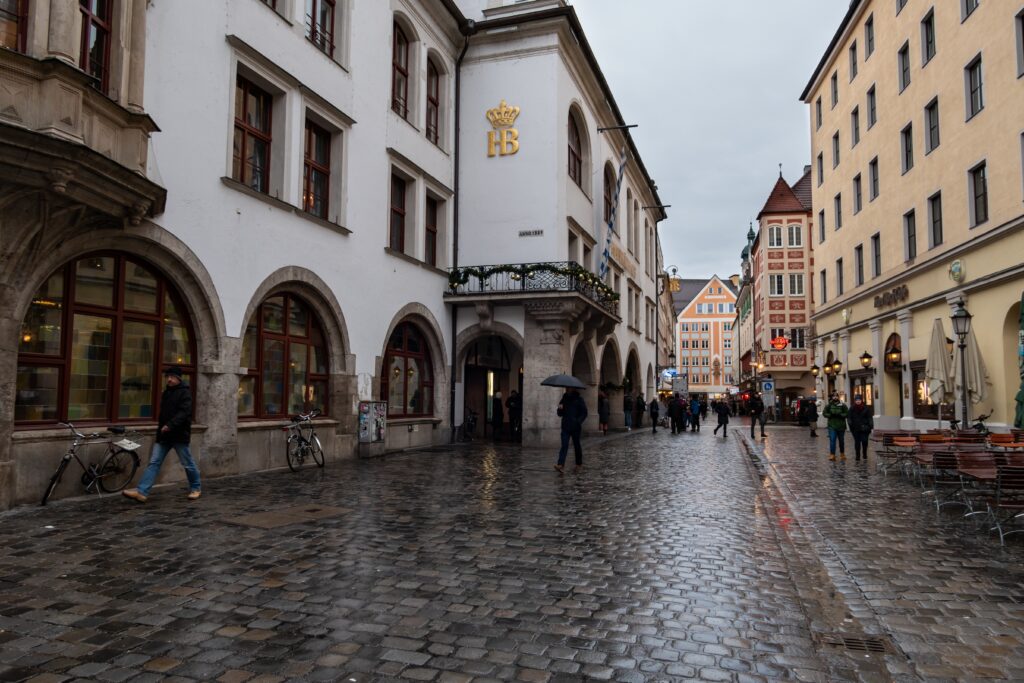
(856, 6)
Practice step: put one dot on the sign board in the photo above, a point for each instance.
(681, 385)
(779, 343)
(767, 386)
(373, 421)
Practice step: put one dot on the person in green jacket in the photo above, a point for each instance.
(836, 412)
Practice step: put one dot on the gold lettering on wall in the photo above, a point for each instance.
(504, 139)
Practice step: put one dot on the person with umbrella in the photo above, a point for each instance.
(573, 411)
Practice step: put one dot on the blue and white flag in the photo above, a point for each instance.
(606, 254)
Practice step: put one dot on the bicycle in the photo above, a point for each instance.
(300, 446)
(117, 468)
(468, 426)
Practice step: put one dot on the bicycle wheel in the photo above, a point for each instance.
(55, 479)
(294, 454)
(317, 450)
(117, 470)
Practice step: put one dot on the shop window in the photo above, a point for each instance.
(13, 24)
(95, 341)
(923, 406)
(285, 354)
(407, 378)
(252, 139)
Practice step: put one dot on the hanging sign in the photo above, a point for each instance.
(779, 343)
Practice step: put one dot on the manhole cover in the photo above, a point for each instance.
(857, 643)
(299, 514)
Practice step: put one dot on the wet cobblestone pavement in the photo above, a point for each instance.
(668, 558)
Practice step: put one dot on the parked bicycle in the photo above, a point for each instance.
(117, 468)
(978, 426)
(303, 445)
(468, 426)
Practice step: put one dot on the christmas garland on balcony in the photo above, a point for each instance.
(460, 276)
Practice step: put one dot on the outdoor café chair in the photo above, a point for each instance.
(1007, 506)
(947, 486)
(896, 451)
(977, 471)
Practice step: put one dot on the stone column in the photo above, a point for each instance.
(137, 56)
(906, 319)
(879, 364)
(547, 352)
(10, 329)
(64, 38)
(218, 402)
(844, 356)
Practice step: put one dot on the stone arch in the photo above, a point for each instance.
(586, 357)
(1011, 361)
(649, 391)
(611, 356)
(423, 318)
(632, 369)
(475, 332)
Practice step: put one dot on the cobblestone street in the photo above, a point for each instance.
(668, 558)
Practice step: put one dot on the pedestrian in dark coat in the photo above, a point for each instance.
(722, 410)
(515, 414)
(173, 430)
(755, 406)
(812, 416)
(640, 407)
(627, 410)
(573, 411)
(655, 409)
(604, 409)
(836, 413)
(861, 419)
(703, 410)
(676, 414)
(694, 415)
(497, 415)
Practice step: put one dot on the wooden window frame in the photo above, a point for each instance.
(118, 315)
(975, 93)
(609, 193)
(433, 208)
(575, 168)
(932, 136)
(425, 383)
(400, 72)
(398, 212)
(312, 166)
(978, 198)
(433, 127)
(105, 25)
(247, 131)
(935, 228)
(20, 17)
(312, 324)
(321, 37)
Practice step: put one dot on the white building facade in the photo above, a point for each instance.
(307, 221)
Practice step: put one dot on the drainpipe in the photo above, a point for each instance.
(467, 29)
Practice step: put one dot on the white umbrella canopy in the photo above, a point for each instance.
(938, 369)
(976, 375)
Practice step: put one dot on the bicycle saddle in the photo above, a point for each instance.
(115, 429)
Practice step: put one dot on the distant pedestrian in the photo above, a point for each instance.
(703, 410)
(627, 410)
(640, 407)
(497, 416)
(604, 409)
(694, 415)
(655, 409)
(173, 430)
(836, 413)
(515, 415)
(573, 411)
(861, 420)
(677, 414)
(811, 415)
(722, 410)
(755, 407)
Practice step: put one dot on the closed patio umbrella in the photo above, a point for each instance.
(938, 369)
(976, 376)
(1018, 419)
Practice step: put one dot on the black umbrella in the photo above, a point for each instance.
(567, 381)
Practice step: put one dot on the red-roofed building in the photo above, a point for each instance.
(778, 266)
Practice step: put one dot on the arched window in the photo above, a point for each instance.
(286, 357)
(433, 102)
(95, 341)
(400, 73)
(407, 378)
(630, 223)
(609, 191)
(575, 152)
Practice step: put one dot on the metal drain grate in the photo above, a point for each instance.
(857, 643)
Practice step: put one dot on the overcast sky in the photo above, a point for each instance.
(714, 87)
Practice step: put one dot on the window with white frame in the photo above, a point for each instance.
(798, 338)
(796, 284)
(775, 236)
(796, 235)
(775, 285)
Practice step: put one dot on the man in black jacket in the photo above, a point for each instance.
(174, 430)
(757, 416)
(573, 411)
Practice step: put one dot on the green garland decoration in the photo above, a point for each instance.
(460, 276)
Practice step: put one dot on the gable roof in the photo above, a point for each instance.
(782, 200)
(688, 291)
(802, 189)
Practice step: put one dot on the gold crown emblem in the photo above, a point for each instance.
(502, 116)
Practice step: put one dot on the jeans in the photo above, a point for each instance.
(629, 418)
(756, 419)
(156, 461)
(654, 422)
(835, 435)
(860, 443)
(564, 450)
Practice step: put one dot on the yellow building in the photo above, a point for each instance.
(917, 129)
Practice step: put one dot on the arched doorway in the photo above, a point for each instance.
(492, 370)
(631, 381)
(583, 370)
(611, 379)
(1013, 346)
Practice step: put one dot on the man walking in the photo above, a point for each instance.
(174, 430)
(756, 409)
(676, 413)
(627, 409)
(640, 406)
(836, 413)
(515, 415)
(573, 411)
(861, 420)
(694, 415)
(655, 410)
(722, 409)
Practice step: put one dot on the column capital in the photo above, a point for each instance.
(875, 325)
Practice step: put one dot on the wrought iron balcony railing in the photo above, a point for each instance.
(528, 278)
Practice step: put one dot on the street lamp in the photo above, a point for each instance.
(815, 370)
(827, 369)
(837, 367)
(672, 358)
(865, 360)
(962, 327)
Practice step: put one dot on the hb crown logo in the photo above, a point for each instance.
(504, 139)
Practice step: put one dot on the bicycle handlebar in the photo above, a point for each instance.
(307, 416)
(79, 435)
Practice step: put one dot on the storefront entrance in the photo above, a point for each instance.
(493, 369)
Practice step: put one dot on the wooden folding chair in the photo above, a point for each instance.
(1007, 506)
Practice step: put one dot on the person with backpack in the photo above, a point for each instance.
(836, 413)
(861, 420)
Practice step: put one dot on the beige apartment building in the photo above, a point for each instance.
(707, 309)
(917, 130)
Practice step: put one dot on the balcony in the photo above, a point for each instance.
(531, 281)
